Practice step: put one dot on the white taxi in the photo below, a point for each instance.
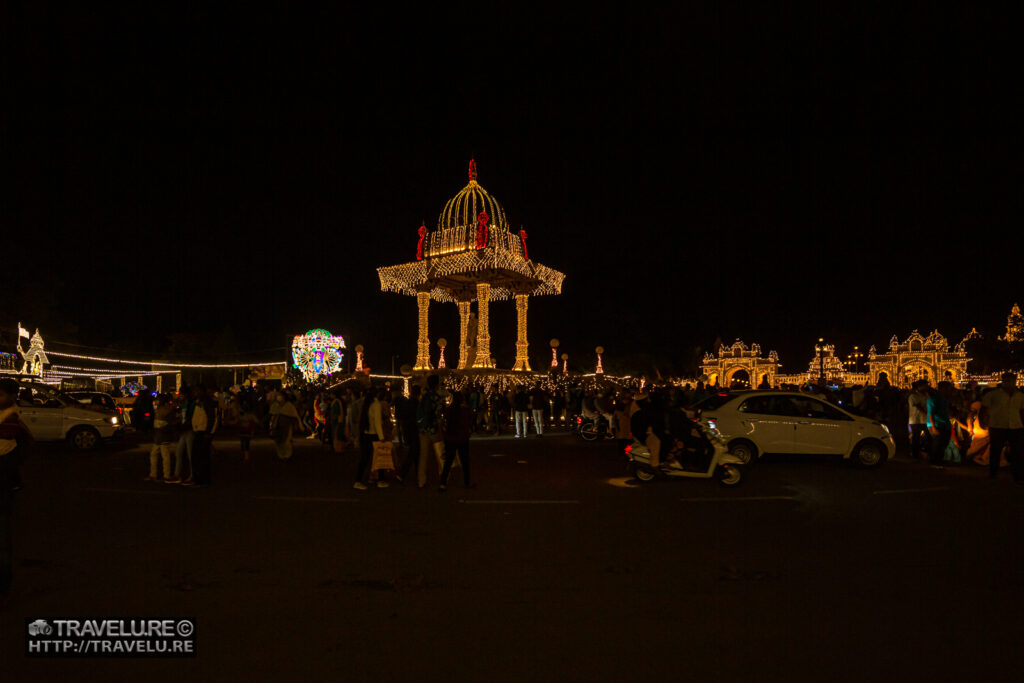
(759, 422)
(52, 415)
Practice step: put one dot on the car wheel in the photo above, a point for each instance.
(869, 453)
(745, 451)
(729, 475)
(84, 438)
(588, 432)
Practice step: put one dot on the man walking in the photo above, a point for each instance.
(430, 425)
(163, 439)
(1003, 410)
(538, 406)
(204, 424)
(409, 431)
(456, 440)
(521, 406)
(185, 441)
(918, 417)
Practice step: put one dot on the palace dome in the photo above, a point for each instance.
(464, 209)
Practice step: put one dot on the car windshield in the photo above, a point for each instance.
(36, 395)
(713, 402)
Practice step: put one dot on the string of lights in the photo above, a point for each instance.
(205, 366)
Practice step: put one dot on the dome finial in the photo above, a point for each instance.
(472, 169)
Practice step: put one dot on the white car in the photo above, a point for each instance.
(759, 422)
(52, 415)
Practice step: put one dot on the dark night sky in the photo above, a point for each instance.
(701, 173)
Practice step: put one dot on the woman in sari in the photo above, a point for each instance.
(979, 450)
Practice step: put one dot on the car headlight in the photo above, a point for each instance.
(113, 420)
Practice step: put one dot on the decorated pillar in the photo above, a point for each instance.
(463, 335)
(483, 334)
(423, 343)
(522, 345)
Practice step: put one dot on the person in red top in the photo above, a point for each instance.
(456, 439)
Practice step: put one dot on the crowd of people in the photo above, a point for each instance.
(397, 436)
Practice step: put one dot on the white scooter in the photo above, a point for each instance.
(724, 466)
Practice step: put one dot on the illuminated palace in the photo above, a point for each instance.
(471, 256)
(919, 357)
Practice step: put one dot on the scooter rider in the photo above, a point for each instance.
(648, 426)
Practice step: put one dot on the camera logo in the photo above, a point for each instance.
(39, 627)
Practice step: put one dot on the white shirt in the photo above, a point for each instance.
(918, 408)
(375, 420)
(200, 420)
(1004, 409)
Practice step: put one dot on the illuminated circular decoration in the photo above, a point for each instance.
(133, 388)
(316, 353)
(554, 343)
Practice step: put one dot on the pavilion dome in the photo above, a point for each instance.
(465, 208)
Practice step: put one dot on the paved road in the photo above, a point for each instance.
(554, 568)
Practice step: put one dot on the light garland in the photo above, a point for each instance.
(522, 344)
(463, 334)
(483, 335)
(407, 277)
(423, 342)
(316, 353)
(163, 365)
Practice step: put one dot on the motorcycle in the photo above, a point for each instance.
(593, 428)
(707, 443)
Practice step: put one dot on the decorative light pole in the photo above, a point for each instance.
(600, 368)
(359, 357)
(441, 343)
(565, 364)
(819, 348)
(554, 354)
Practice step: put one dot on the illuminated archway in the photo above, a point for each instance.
(738, 357)
(739, 378)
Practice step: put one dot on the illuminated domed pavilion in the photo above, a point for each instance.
(472, 255)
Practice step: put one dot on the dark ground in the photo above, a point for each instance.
(552, 569)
